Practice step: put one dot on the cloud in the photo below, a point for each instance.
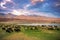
(30, 12)
(35, 1)
(20, 12)
(57, 4)
(45, 5)
(4, 2)
(20, 7)
(26, 6)
(8, 0)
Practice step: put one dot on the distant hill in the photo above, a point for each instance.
(2, 14)
(38, 19)
(6, 15)
(27, 19)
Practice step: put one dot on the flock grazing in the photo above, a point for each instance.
(18, 28)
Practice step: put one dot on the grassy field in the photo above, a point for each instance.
(44, 34)
(27, 34)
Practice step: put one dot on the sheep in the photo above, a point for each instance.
(50, 27)
(17, 30)
(9, 30)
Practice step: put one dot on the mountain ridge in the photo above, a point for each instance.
(32, 19)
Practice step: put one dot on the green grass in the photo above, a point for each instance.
(31, 34)
(4, 34)
(54, 35)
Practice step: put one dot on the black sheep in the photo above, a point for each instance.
(17, 30)
(3, 28)
(9, 30)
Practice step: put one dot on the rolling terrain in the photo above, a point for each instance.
(28, 19)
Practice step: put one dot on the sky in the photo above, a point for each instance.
(48, 8)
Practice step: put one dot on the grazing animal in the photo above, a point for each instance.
(31, 28)
(56, 27)
(3, 28)
(36, 28)
(9, 30)
(43, 25)
(17, 30)
(50, 28)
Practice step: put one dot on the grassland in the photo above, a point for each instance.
(30, 34)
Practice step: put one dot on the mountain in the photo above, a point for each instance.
(4, 15)
(28, 19)
(37, 19)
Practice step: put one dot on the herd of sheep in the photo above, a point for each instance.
(17, 28)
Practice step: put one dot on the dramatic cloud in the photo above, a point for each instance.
(4, 2)
(50, 8)
(20, 12)
(33, 13)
